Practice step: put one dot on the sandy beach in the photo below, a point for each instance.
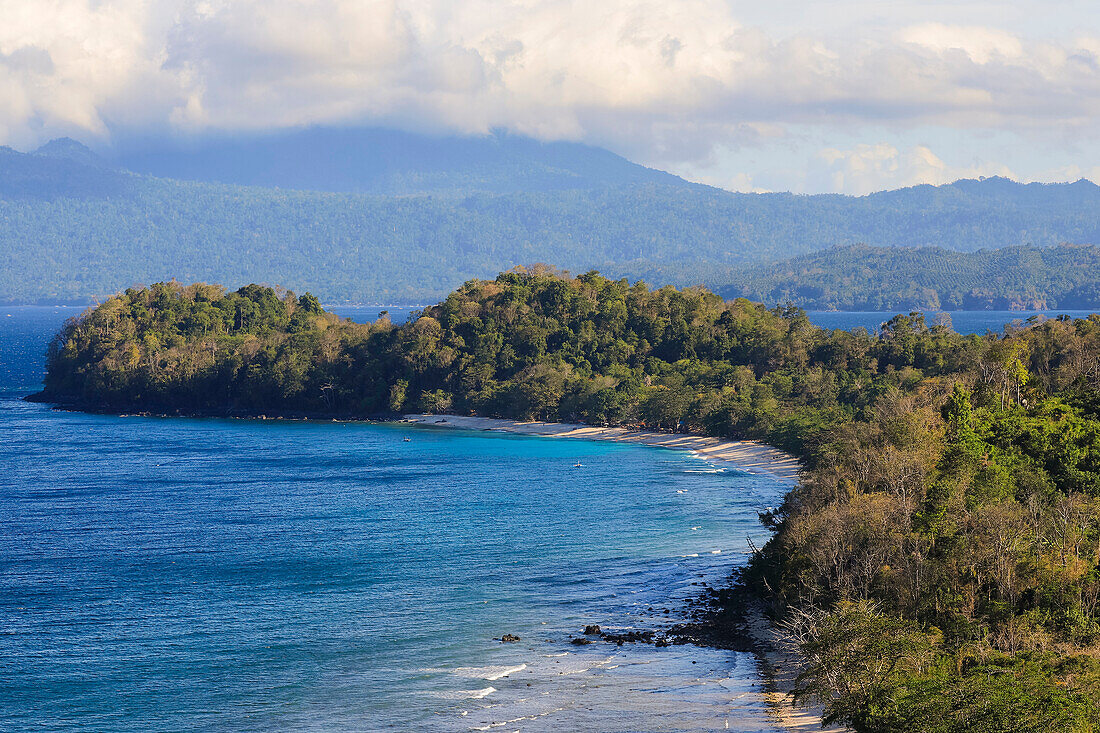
(745, 455)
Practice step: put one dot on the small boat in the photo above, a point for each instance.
(578, 465)
(407, 440)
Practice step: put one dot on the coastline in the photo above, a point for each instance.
(779, 667)
(749, 456)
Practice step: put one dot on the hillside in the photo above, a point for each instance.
(928, 278)
(76, 228)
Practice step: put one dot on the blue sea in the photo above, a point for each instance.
(167, 574)
(257, 575)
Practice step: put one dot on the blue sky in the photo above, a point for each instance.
(848, 96)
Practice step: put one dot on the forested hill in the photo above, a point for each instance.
(928, 278)
(939, 563)
(76, 228)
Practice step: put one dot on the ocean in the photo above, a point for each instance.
(161, 574)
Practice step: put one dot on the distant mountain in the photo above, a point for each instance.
(995, 190)
(52, 176)
(65, 148)
(381, 161)
(75, 228)
(928, 278)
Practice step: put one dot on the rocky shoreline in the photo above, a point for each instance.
(732, 618)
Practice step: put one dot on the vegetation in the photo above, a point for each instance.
(73, 231)
(929, 278)
(939, 564)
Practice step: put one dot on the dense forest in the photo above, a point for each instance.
(938, 565)
(928, 278)
(75, 228)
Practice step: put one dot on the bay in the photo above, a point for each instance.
(159, 574)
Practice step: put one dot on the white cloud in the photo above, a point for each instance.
(1071, 172)
(664, 82)
(981, 45)
(65, 65)
(740, 182)
(868, 168)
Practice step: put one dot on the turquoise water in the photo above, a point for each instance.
(244, 575)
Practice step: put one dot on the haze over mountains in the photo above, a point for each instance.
(381, 161)
(375, 215)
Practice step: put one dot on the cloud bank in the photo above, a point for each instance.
(666, 82)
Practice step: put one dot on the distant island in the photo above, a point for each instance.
(938, 566)
(380, 216)
(865, 278)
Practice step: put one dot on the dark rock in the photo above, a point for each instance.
(580, 641)
(509, 638)
(633, 637)
(592, 629)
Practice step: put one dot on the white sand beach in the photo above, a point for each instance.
(746, 455)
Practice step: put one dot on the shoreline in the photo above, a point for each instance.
(779, 667)
(750, 456)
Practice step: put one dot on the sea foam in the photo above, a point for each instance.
(463, 694)
(487, 673)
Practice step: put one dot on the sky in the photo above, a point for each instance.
(847, 96)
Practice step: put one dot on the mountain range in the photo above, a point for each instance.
(390, 162)
(368, 215)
